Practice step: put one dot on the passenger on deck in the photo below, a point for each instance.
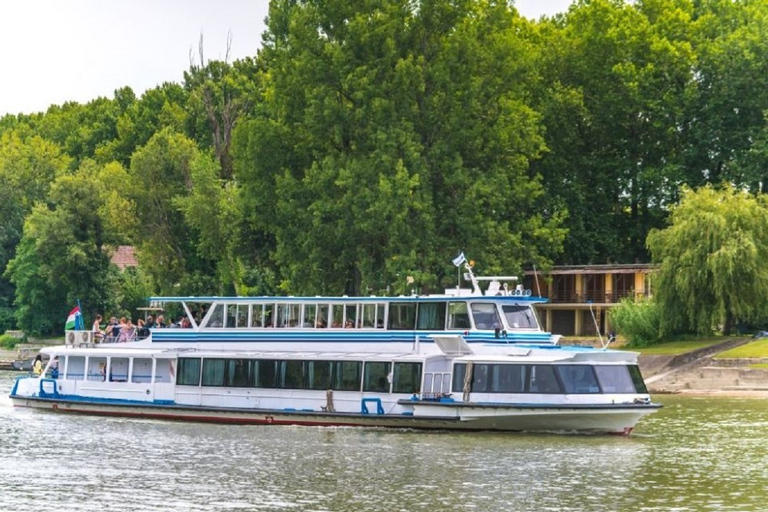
(349, 325)
(98, 334)
(150, 323)
(37, 365)
(112, 330)
(55, 368)
(160, 321)
(127, 331)
(185, 323)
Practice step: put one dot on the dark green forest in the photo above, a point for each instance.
(374, 140)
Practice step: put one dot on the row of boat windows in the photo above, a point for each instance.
(371, 315)
(541, 378)
(380, 377)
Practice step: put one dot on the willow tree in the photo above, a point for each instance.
(712, 261)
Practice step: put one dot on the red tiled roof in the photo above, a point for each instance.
(125, 256)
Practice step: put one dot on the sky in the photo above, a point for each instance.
(54, 51)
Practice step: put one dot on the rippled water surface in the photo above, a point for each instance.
(696, 454)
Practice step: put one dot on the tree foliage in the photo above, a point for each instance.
(369, 142)
(712, 261)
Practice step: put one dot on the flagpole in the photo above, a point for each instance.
(79, 323)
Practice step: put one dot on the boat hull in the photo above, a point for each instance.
(600, 419)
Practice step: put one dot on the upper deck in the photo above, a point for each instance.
(496, 315)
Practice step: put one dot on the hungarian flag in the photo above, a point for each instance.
(74, 320)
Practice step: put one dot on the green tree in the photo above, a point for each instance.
(391, 136)
(61, 258)
(712, 261)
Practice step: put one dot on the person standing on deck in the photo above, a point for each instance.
(37, 366)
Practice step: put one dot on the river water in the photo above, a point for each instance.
(696, 454)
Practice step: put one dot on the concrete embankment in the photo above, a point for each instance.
(700, 371)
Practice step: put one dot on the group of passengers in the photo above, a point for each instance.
(125, 330)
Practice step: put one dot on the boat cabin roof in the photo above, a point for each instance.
(330, 300)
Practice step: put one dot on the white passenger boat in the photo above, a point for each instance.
(463, 360)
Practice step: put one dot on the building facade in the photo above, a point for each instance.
(581, 295)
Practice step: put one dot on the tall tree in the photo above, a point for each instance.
(712, 261)
(407, 137)
(61, 258)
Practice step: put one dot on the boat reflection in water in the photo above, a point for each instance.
(463, 360)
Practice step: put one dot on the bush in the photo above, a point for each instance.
(638, 321)
(9, 342)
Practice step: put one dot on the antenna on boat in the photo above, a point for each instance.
(536, 277)
(604, 344)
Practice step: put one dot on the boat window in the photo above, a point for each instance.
(264, 373)
(269, 318)
(217, 316)
(238, 373)
(257, 315)
(614, 379)
(118, 369)
(520, 317)
(288, 315)
(237, 315)
(291, 374)
(97, 368)
(351, 316)
(481, 382)
(431, 316)
(322, 316)
(337, 315)
(402, 316)
(637, 378)
(406, 378)
(310, 314)
(459, 370)
(231, 315)
(213, 372)
(542, 379)
(373, 315)
(507, 378)
(188, 372)
(486, 316)
(458, 315)
(142, 370)
(346, 375)
(75, 369)
(578, 378)
(319, 374)
(377, 377)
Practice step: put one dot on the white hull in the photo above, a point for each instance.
(619, 419)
